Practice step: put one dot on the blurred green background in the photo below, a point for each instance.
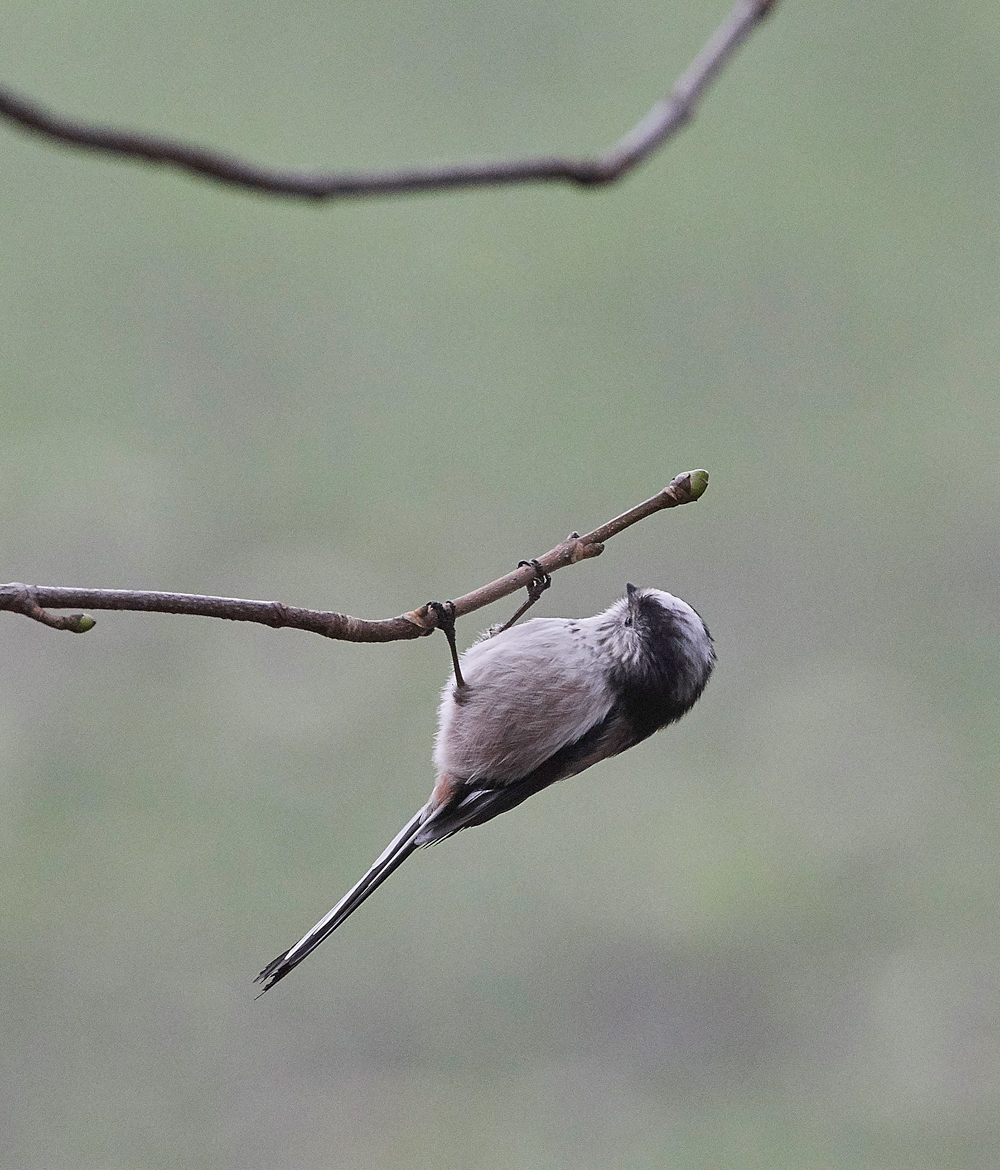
(766, 938)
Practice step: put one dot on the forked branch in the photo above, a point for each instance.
(34, 601)
(651, 132)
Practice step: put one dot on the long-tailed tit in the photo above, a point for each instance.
(534, 704)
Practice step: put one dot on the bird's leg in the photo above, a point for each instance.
(535, 590)
(445, 612)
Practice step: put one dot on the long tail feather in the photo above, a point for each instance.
(397, 851)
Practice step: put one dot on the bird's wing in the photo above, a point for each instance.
(527, 698)
(477, 803)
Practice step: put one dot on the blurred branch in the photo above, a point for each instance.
(33, 600)
(659, 125)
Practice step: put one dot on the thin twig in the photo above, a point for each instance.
(660, 124)
(33, 600)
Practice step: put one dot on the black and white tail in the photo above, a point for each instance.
(397, 851)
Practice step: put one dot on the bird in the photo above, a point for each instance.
(533, 704)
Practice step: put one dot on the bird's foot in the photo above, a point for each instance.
(535, 587)
(444, 611)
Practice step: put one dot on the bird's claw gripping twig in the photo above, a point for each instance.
(536, 587)
(444, 611)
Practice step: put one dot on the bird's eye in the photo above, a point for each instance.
(628, 621)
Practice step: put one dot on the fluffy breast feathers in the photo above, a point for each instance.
(521, 704)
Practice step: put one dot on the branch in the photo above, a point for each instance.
(32, 600)
(660, 124)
